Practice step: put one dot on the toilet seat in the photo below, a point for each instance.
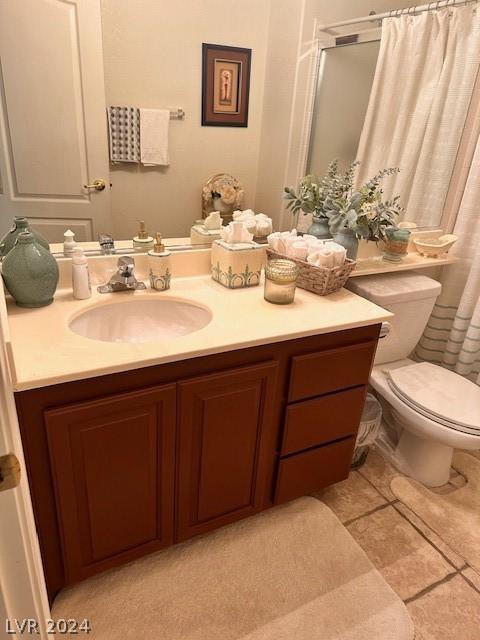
(441, 395)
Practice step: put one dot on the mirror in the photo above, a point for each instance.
(145, 56)
(338, 118)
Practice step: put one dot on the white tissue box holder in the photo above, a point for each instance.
(200, 235)
(236, 266)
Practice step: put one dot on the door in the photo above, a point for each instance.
(113, 468)
(226, 447)
(52, 117)
(22, 586)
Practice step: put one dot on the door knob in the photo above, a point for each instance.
(98, 185)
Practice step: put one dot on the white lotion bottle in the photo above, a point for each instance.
(80, 275)
(160, 265)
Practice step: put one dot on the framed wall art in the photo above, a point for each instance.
(225, 85)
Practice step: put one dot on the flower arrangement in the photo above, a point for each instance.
(227, 188)
(363, 211)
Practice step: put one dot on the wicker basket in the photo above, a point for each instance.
(319, 280)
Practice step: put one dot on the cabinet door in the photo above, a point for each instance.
(226, 447)
(113, 472)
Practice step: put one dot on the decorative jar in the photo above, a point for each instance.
(396, 245)
(280, 281)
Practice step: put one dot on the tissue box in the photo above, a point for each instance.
(200, 235)
(237, 265)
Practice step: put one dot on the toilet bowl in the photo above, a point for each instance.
(428, 410)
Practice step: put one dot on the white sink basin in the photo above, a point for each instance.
(141, 320)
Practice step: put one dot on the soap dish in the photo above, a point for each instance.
(435, 247)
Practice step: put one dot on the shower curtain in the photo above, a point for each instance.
(421, 92)
(452, 336)
(425, 75)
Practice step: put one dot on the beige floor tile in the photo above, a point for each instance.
(405, 559)
(437, 542)
(351, 498)
(379, 472)
(451, 610)
(473, 577)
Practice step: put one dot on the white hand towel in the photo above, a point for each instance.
(154, 125)
(339, 252)
(273, 239)
(298, 250)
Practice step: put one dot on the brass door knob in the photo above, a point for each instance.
(98, 185)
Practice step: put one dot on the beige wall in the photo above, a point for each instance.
(152, 57)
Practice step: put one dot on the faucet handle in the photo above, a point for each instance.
(125, 266)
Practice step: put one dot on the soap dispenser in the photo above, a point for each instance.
(69, 243)
(142, 242)
(160, 265)
(80, 275)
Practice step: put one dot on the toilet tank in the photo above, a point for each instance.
(408, 295)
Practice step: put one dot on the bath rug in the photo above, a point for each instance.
(454, 516)
(289, 573)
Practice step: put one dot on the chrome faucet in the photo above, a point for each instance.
(107, 246)
(124, 279)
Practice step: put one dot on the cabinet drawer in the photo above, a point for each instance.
(305, 473)
(325, 371)
(321, 420)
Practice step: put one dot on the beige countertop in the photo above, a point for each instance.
(44, 351)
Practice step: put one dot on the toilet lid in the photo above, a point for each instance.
(440, 394)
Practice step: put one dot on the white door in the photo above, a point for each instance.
(52, 117)
(22, 588)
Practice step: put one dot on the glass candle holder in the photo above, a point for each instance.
(280, 281)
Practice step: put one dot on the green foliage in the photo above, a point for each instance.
(333, 197)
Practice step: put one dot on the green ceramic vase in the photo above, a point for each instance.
(30, 272)
(319, 228)
(20, 225)
(348, 239)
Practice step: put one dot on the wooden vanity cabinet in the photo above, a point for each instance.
(226, 440)
(122, 465)
(112, 462)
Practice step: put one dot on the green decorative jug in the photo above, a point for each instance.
(20, 225)
(30, 272)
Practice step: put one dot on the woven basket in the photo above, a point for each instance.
(319, 280)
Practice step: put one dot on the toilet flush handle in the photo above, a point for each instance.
(385, 330)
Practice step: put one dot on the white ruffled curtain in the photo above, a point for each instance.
(420, 96)
(452, 336)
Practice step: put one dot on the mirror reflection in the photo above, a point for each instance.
(156, 117)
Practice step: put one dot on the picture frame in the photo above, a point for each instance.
(225, 85)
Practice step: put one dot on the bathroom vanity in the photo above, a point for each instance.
(133, 447)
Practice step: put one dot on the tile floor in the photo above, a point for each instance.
(440, 590)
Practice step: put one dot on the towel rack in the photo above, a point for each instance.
(177, 114)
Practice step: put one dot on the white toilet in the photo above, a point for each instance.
(428, 410)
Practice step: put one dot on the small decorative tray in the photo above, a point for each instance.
(435, 247)
(319, 280)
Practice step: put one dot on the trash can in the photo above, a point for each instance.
(368, 430)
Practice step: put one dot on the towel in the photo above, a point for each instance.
(124, 134)
(154, 125)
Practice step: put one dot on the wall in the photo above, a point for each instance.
(281, 150)
(152, 57)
